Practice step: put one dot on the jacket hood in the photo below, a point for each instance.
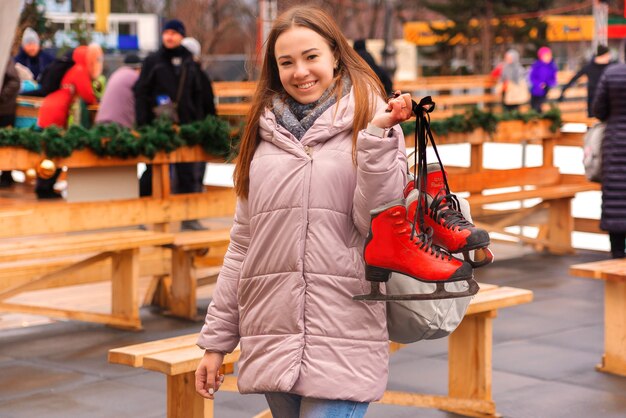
(79, 56)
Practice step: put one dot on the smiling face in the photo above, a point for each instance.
(305, 63)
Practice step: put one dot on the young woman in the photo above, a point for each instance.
(320, 150)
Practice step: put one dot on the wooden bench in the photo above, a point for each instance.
(469, 364)
(174, 267)
(212, 245)
(121, 247)
(40, 220)
(613, 272)
(552, 212)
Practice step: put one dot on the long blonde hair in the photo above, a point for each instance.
(350, 64)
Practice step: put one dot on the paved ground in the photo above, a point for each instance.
(543, 358)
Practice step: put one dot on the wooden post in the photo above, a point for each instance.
(161, 189)
(160, 181)
(614, 359)
(124, 298)
(182, 301)
(182, 399)
(476, 158)
(469, 359)
(560, 226)
(548, 151)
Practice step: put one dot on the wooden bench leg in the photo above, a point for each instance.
(614, 359)
(182, 301)
(469, 362)
(124, 298)
(561, 225)
(182, 399)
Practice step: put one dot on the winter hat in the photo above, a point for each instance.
(514, 54)
(192, 45)
(601, 50)
(543, 50)
(132, 60)
(175, 25)
(30, 37)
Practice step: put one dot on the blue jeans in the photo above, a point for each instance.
(287, 405)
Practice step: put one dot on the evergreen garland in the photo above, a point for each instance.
(475, 118)
(212, 133)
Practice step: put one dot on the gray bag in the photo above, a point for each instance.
(592, 152)
(169, 110)
(415, 320)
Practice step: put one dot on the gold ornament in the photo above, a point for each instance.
(46, 169)
(31, 174)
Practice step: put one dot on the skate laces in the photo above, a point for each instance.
(445, 206)
(421, 234)
(424, 239)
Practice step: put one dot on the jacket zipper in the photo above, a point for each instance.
(305, 212)
(305, 201)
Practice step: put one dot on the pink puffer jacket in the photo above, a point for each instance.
(295, 261)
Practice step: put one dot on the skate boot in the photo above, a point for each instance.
(393, 245)
(451, 230)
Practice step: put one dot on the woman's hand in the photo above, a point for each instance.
(398, 110)
(208, 376)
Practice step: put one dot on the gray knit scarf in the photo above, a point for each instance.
(297, 118)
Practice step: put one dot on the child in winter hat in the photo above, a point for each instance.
(30, 37)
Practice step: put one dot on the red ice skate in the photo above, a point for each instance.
(451, 230)
(393, 245)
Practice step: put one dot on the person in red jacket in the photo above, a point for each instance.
(56, 106)
(77, 80)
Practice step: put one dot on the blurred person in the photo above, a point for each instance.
(359, 47)
(55, 108)
(609, 105)
(542, 78)
(8, 105)
(118, 100)
(192, 45)
(511, 83)
(31, 55)
(171, 82)
(197, 169)
(593, 70)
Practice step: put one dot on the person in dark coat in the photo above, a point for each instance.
(30, 54)
(609, 106)
(160, 82)
(359, 47)
(8, 105)
(593, 70)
